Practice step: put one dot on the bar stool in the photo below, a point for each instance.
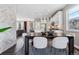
(39, 43)
(60, 44)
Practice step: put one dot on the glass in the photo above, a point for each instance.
(73, 20)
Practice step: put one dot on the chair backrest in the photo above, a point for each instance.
(40, 42)
(60, 42)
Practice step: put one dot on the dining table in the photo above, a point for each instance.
(70, 44)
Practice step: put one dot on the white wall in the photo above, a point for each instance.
(7, 19)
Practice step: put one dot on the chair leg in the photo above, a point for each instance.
(55, 51)
(59, 51)
(66, 51)
(51, 49)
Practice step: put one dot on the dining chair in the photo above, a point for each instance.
(24, 34)
(40, 43)
(60, 44)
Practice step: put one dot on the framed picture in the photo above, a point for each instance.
(72, 21)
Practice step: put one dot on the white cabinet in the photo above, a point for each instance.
(20, 25)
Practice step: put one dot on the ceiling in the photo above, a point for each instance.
(37, 10)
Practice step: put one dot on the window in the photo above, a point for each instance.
(73, 18)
